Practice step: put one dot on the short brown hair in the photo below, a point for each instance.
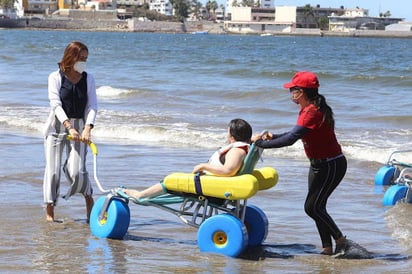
(72, 54)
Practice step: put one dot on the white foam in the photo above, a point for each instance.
(398, 219)
(163, 128)
(111, 92)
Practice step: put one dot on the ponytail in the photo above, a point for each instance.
(320, 102)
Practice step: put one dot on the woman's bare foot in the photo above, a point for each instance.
(132, 193)
(89, 205)
(50, 212)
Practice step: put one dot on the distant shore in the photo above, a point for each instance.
(356, 33)
(136, 25)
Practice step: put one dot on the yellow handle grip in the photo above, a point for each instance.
(92, 146)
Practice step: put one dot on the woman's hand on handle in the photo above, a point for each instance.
(74, 135)
(264, 135)
(77, 138)
(86, 136)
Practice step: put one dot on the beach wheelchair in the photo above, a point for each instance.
(216, 206)
(398, 175)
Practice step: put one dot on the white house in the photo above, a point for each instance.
(161, 6)
(282, 20)
(358, 12)
(358, 19)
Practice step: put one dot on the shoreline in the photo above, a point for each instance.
(134, 25)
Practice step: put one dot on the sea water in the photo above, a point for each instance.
(164, 103)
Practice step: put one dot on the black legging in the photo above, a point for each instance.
(322, 180)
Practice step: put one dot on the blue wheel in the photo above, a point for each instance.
(385, 175)
(222, 234)
(256, 224)
(116, 219)
(394, 194)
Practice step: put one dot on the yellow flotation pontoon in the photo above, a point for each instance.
(232, 188)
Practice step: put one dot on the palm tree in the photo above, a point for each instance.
(235, 3)
(249, 3)
(6, 4)
(211, 6)
(307, 12)
(196, 6)
(323, 22)
(223, 9)
(181, 8)
(208, 6)
(214, 6)
(387, 14)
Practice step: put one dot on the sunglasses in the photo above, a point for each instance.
(295, 89)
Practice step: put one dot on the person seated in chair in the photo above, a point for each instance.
(227, 161)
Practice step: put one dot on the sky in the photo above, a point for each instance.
(398, 8)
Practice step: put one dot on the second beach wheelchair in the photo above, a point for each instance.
(398, 175)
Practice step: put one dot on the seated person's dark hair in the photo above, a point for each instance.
(240, 130)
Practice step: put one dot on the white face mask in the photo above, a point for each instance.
(80, 66)
(295, 99)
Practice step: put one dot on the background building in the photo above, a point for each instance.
(358, 19)
(161, 6)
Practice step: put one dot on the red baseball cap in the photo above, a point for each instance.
(303, 79)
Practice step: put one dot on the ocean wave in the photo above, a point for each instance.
(385, 78)
(399, 120)
(165, 129)
(111, 92)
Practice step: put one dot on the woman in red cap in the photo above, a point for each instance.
(315, 126)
